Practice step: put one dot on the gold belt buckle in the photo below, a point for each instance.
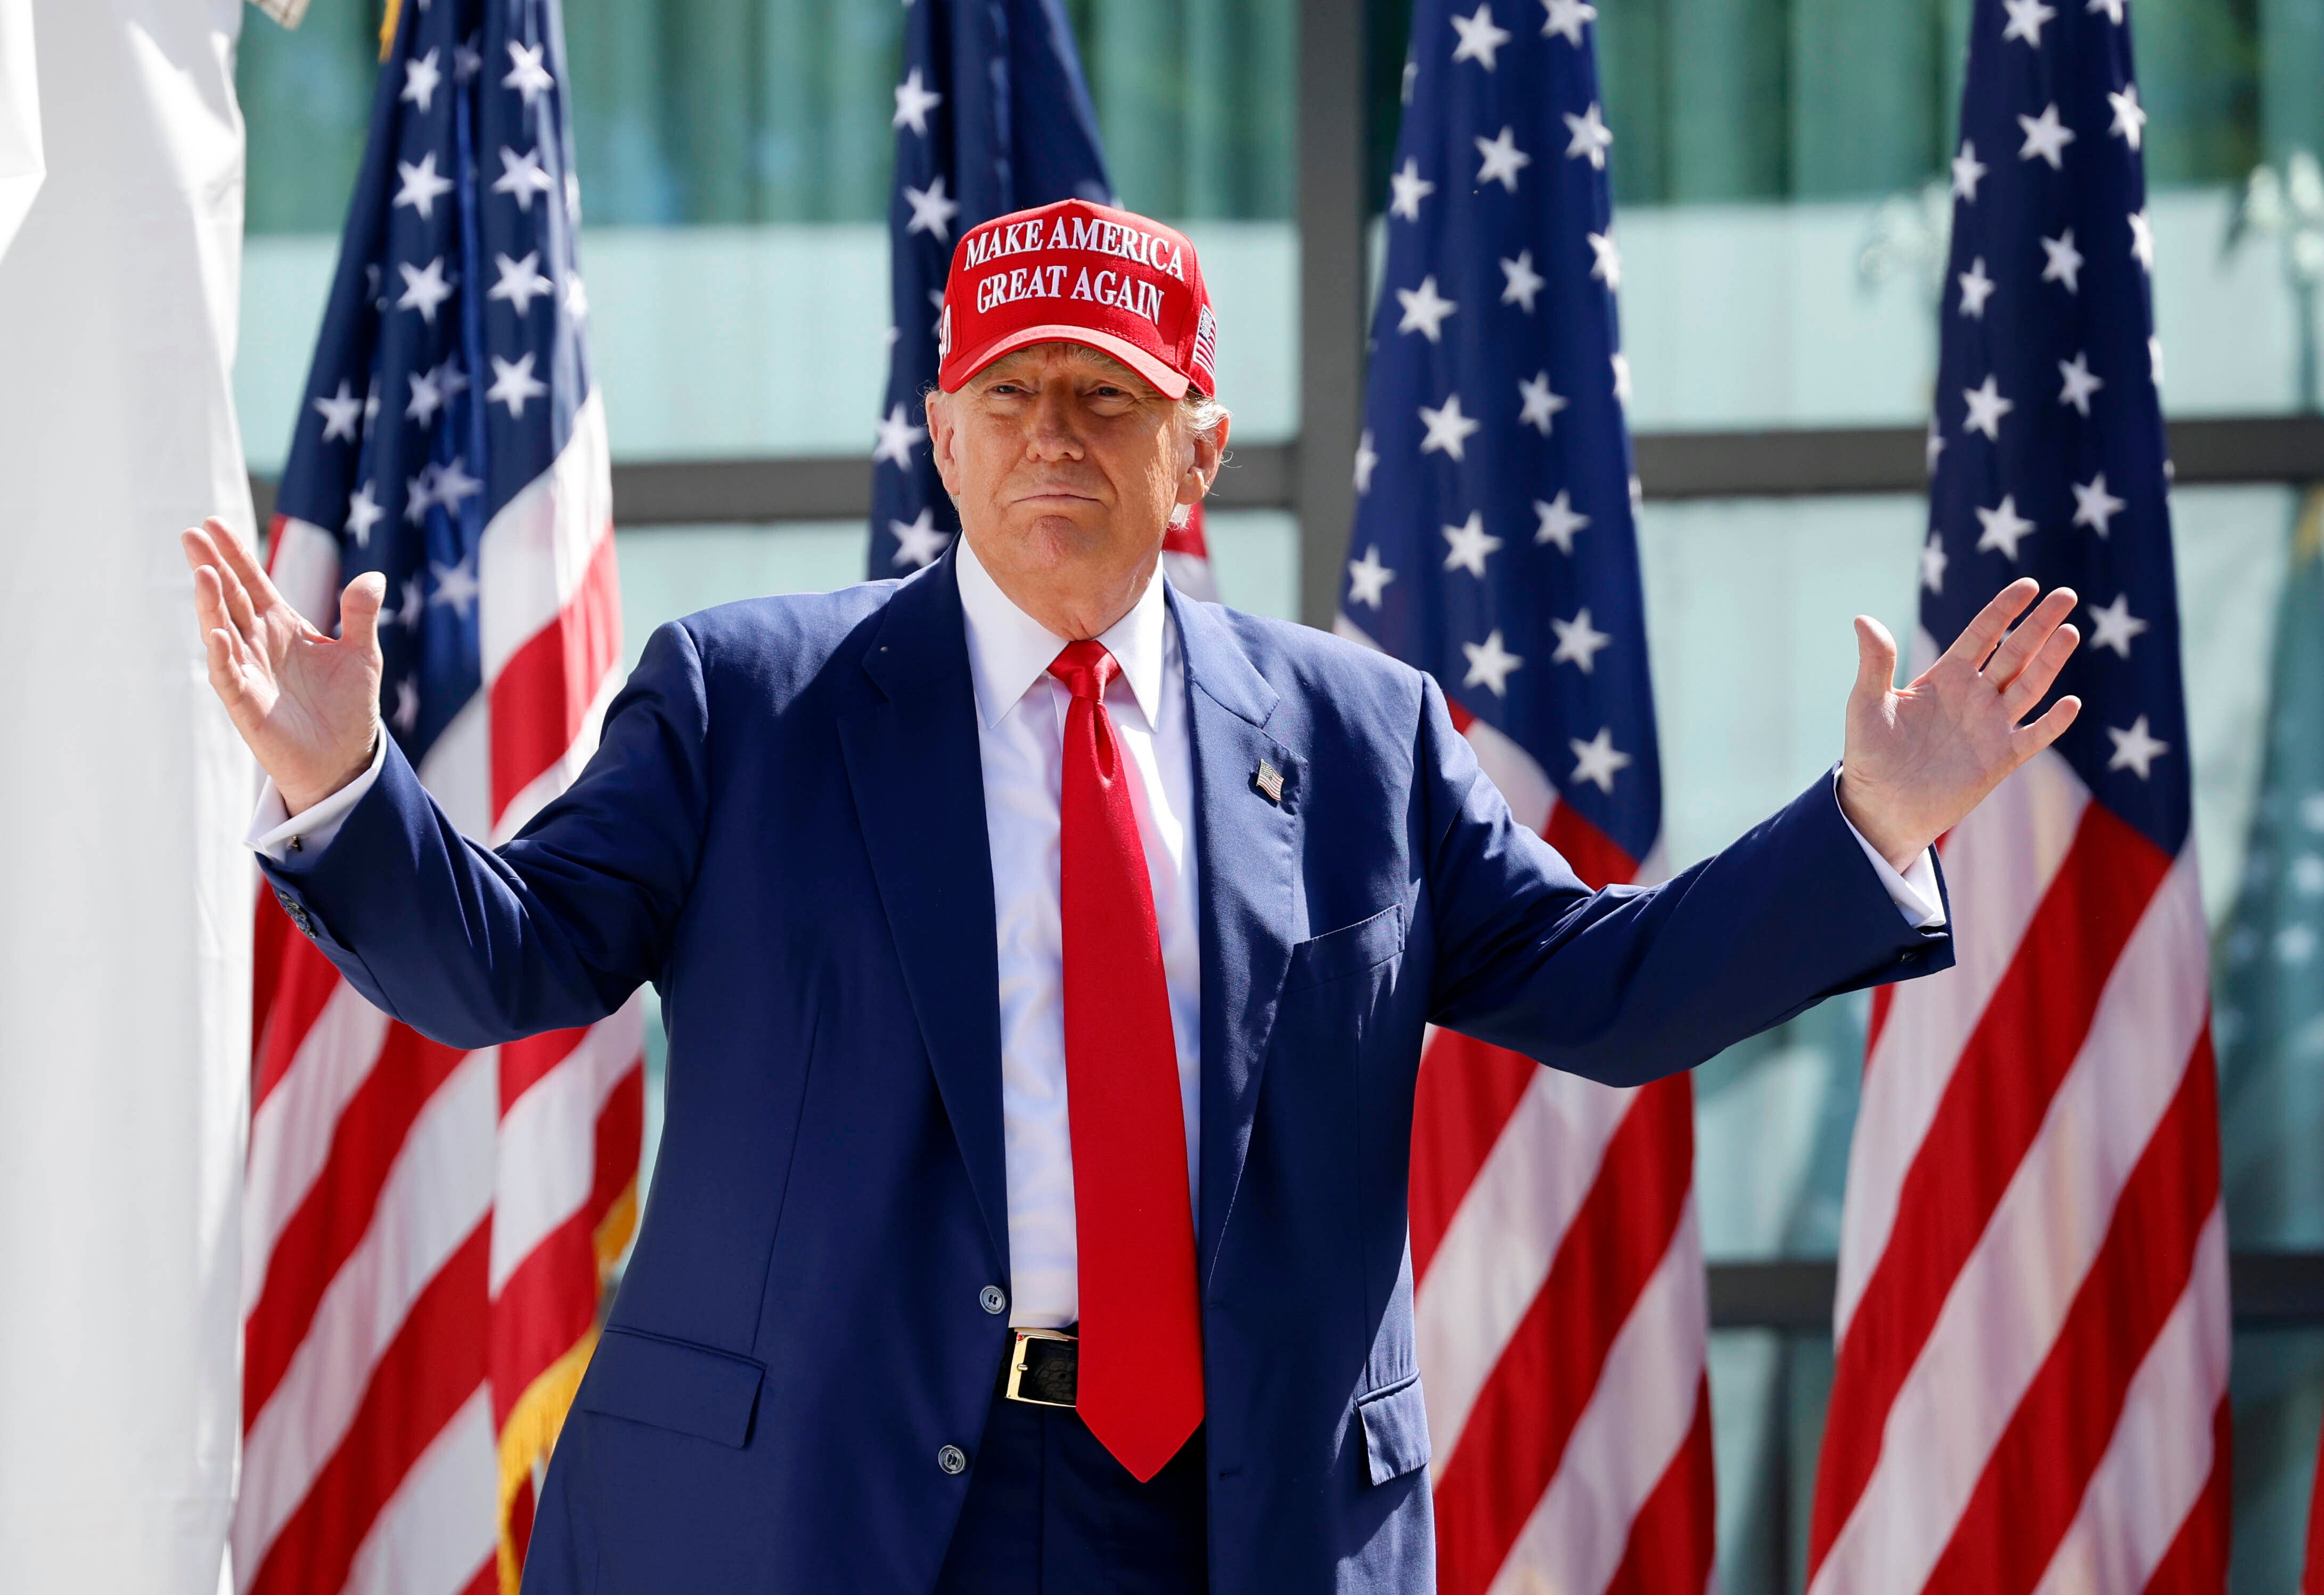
(1016, 1365)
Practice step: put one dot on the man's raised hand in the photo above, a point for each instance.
(306, 703)
(1917, 760)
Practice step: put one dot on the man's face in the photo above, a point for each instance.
(1066, 467)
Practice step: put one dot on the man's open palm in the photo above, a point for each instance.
(1918, 758)
(306, 703)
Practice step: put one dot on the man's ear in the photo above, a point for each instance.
(1202, 465)
(942, 437)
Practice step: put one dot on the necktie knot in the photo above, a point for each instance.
(1086, 668)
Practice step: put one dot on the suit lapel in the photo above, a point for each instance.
(1246, 853)
(917, 778)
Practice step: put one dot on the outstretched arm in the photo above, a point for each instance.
(468, 945)
(1628, 984)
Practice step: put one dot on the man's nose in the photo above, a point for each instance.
(1054, 433)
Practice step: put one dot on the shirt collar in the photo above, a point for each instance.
(1009, 650)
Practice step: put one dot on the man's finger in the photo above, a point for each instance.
(2029, 740)
(1876, 658)
(243, 563)
(2026, 687)
(359, 608)
(2029, 635)
(241, 612)
(1978, 638)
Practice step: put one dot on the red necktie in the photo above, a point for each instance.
(1141, 1328)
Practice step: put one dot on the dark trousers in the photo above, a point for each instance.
(1050, 1512)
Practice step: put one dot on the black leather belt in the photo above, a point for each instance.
(1043, 1369)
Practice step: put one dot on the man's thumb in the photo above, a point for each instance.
(359, 608)
(1876, 658)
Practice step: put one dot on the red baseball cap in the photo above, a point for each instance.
(1081, 273)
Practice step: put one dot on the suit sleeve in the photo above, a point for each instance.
(1627, 985)
(473, 946)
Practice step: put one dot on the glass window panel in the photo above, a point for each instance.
(734, 159)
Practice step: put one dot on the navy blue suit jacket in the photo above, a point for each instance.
(784, 831)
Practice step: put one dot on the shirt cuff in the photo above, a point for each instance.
(278, 833)
(1914, 893)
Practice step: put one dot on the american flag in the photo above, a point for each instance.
(2032, 1321)
(1560, 1292)
(427, 1230)
(992, 116)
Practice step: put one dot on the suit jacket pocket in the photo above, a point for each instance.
(673, 1385)
(1395, 1430)
(1350, 950)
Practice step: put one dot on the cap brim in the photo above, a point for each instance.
(1173, 384)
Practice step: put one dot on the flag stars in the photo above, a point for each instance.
(1448, 430)
(2154, 365)
(2142, 239)
(1538, 407)
(1935, 446)
(932, 210)
(2112, 8)
(1407, 189)
(2046, 137)
(2005, 528)
(419, 493)
(1366, 459)
(340, 412)
(2063, 263)
(1606, 267)
(1480, 40)
(526, 75)
(420, 185)
(897, 438)
(1598, 760)
(914, 101)
(1489, 664)
(1559, 522)
(1986, 408)
(1567, 18)
(363, 512)
(1966, 171)
(2080, 384)
(1519, 282)
(426, 397)
(1425, 309)
(454, 485)
(1976, 288)
(2113, 625)
(1469, 545)
(406, 717)
(1621, 364)
(467, 60)
(522, 176)
(513, 384)
(423, 290)
(2094, 506)
(2129, 123)
(1590, 136)
(1502, 159)
(577, 298)
(1933, 561)
(455, 584)
(918, 541)
(520, 282)
(422, 76)
(2025, 20)
(1578, 642)
(413, 606)
(2136, 749)
(1367, 578)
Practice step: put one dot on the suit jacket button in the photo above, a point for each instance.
(953, 1459)
(992, 1299)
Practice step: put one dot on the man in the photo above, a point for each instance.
(1046, 958)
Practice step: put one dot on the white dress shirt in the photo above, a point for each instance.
(1020, 710)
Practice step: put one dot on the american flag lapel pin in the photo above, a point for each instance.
(1269, 782)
